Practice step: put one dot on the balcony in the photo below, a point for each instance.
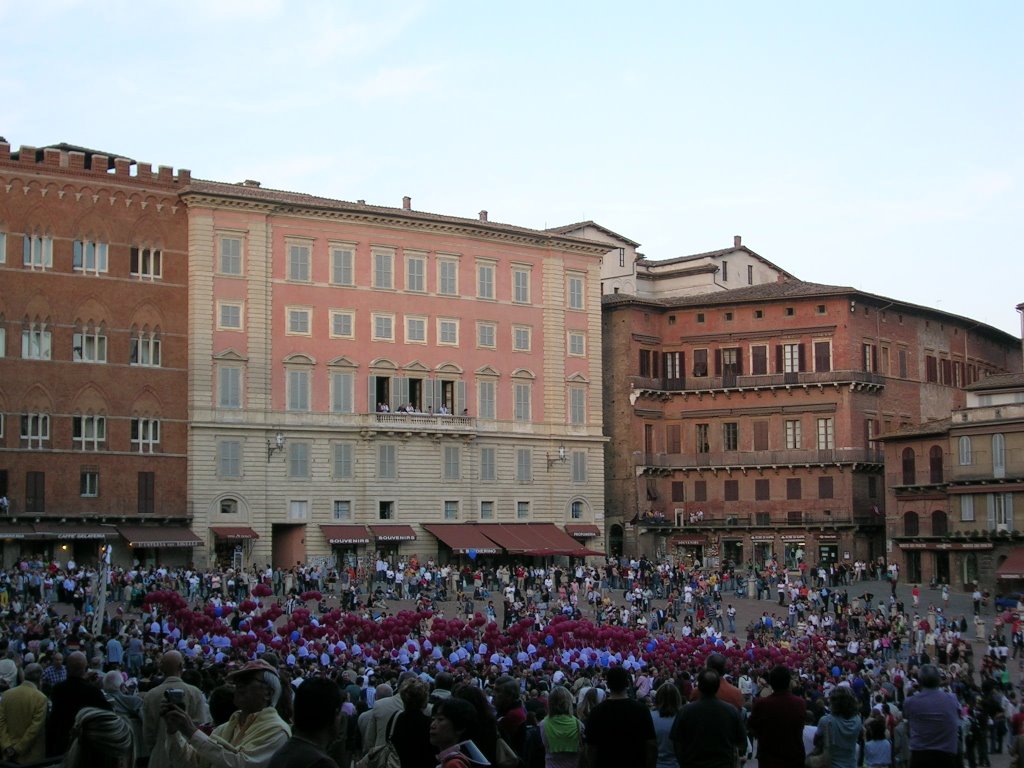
(759, 459)
(715, 519)
(662, 387)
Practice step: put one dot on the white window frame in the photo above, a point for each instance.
(522, 510)
(383, 269)
(299, 321)
(521, 285)
(377, 318)
(298, 390)
(965, 451)
(447, 285)
(576, 344)
(298, 510)
(826, 434)
(300, 261)
(90, 257)
(227, 308)
(89, 484)
(451, 510)
(967, 508)
(146, 263)
(522, 338)
(3, 340)
(576, 510)
(447, 332)
(230, 263)
(487, 335)
(415, 329)
(36, 342)
(3, 247)
(89, 346)
(37, 252)
(415, 272)
(794, 434)
(88, 432)
(146, 349)
(145, 435)
(35, 429)
(229, 383)
(345, 317)
(485, 280)
(229, 459)
(341, 509)
(487, 510)
(575, 290)
(343, 265)
(791, 358)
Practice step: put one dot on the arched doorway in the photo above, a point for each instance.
(615, 540)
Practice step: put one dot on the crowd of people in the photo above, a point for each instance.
(627, 663)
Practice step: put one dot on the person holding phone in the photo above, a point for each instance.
(178, 692)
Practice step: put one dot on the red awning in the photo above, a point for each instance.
(17, 532)
(462, 538)
(345, 534)
(235, 533)
(1013, 566)
(535, 539)
(393, 532)
(144, 536)
(69, 531)
(582, 531)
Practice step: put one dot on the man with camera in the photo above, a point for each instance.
(178, 692)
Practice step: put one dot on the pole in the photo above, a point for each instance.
(101, 604)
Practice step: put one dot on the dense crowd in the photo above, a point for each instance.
(533, 651)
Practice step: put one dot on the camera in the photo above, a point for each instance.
(175, 696)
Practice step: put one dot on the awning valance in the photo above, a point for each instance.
(1013, 565)
(345, 534)
(582, 531)
(234, 533)
(462, 538)
(393, 532)
(71, 531)
(17, 532)
(158, 537)
(535, 539)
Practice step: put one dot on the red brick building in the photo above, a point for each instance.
(743, 422)
(93, 329)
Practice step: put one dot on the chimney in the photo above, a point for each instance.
(737, 241)
(483, 215)
(407, 203)
(251, 183)
(361, 202)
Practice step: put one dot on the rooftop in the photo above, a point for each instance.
(997, 381)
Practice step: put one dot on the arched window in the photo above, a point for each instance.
(935, 464)
(911, 526)
(909, 467)
(940, 523)
(964, 446)
(998, 456)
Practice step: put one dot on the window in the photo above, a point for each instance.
(964, 451)
(343, 461)
(88, 433)
(793, 488)
(730, 436)
(700, 490)
(385, 510)
(791, 358)
(485, 281)
(521, 338)
(89, 257)
(35, 429)
(701, 432)
(486, 408)
(146, 493)
(383, 266)
(342, 510)
(415, 330)
(3, 340)
(89, 484)
(488, 464)
(575, 291)
(298, 390)
(911, 526)
(759, 360)
(386, 462)
(298, 509)
(3, 260)
(342, 392)
(758, 314)
(931, 368)
(35, 492)
(967, 508)
(298, 321)
(579, 466)
(229, 506)
(229, 458)
(998, 456)
(731, 491)
(520, 285)
(486, 334)
(940, 523)
(448, 332)
(230, 255)
(415, 273)
(229, 387)
(522, 402)
(342, 266)
(35, 342)
(577, 406)
(790, 311)
(146, 263)
(577, 344)
(672, 365)
(794, 436)
(576, 510)
(826, 434)
(725, 271)
(903, 363)
(648, 364)
(524, 465)
(486, 510)
(826, 487)
(728, 316)
(760, 435)
(869, 353)
(146, 349)
(447, 277)
(700, 362)
(452, 456)
(342, 324)
(750, 274)
(822, 356)
(89, 346)
(38, 252)
(673, 439)
(909, 468)
(678, 490)
(935, 461)
(229, 315)
(383, 327)
(145, 435)
(298, 459)
(522, 510)
(299, 255)
(762, 489)
(451, 510)
(700, 317)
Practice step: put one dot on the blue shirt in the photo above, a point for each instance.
(933, 719)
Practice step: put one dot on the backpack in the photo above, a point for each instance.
(385, 756)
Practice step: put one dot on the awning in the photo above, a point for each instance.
(581, 531)
(1013, 566)
(393, 532)
(17, 532)
(234, 533)
(345, 534)
(462, 538)
(535, 539)
(152, 537)
(70, 531)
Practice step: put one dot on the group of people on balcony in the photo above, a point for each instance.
(442, 410)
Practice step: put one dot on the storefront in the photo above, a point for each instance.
(793, 550)
(732, 553)
(387, 540)
(762, 549)
(457, 540)
(80, 542)
(232, 546)
(348, 545)
(688, 550)
(154, 545)
(828, 549)
(15, 543)
(943, 560)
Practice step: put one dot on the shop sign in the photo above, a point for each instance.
(828, 537)
(793, 537)
(943, 545)
(762, 537)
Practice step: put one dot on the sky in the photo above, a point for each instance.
(872, 144)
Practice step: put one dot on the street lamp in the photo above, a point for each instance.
(275, 445)
(559, 457)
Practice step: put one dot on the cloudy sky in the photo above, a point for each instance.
(871, 144)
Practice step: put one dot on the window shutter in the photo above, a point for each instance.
(399, 392)
(990, 498)
(718, 362)
(778, 358)
(800, 358)
(460, 397)
(371, 397)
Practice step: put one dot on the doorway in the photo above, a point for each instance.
(942, 567)
(288, 545)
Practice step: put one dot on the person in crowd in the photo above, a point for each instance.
(100, 739)
(317, 723)
(23, 719)
(708, 732)
(842, 726)
(727, 692)
(125, 705)
(667, 703)
(411, 731)
(777, 723)
(154, 727)
(877, 745)
(511, 713)
(620, 731)
(67, 699)
(561, 734)
(933, 722)
(485, 737)
(451, 729)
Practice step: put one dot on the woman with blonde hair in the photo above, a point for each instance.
(560, 732)
(100, 739)
(667, 703)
